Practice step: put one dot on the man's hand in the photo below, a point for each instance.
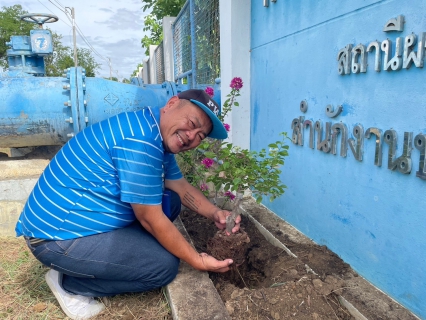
(219, 217)
(209, 263)
(193, 199)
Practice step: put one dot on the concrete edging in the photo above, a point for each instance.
(192, 295)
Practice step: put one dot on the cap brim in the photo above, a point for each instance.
(218, 131)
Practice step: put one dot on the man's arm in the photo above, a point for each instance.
(155, 222)
(195, 200)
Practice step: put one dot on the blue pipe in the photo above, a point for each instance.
(39, 111)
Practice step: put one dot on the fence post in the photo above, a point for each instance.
(145, 71)
(152, 66)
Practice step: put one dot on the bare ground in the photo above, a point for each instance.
(24, 293)
(272, 284)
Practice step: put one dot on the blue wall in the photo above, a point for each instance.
(372, 217)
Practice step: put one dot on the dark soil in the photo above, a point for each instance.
(223, 246)
(271, 284)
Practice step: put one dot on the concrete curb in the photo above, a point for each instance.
(16, 190)
(192, 295)
(17, 179)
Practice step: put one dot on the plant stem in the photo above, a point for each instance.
(230, 220)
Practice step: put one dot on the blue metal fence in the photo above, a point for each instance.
(196, 43)
(182, 44)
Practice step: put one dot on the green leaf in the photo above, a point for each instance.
(209, 154)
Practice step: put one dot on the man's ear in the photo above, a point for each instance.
(173, 102)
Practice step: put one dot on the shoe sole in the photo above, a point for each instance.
(58, 297)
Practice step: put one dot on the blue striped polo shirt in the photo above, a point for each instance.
(88, 186)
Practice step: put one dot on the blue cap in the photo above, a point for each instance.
(210, 107)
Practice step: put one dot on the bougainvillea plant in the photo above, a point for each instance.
(239, 169)
(220, 169)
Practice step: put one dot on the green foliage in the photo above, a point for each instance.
(140, 65)
(11, 25)
(231, 170)
(112, 79)
(240, 169)
(87, 61)
(60, 60)
(155, 28)
(63, 56)
(153, 22)
(163, 8)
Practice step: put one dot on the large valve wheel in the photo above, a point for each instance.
(39, 18)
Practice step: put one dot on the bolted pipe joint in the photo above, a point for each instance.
(67, 87)
(70, 120)
(70, 135)
(67, 103)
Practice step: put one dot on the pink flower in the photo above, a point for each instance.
(227, 127)
(207, 162)
(204, 187)
(236, 83)
(230, 195)
(210, 91)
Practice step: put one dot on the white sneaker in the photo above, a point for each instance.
(75, 306)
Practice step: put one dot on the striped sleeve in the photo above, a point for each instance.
(172, 168)
(139, 165)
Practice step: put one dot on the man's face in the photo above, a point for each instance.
(183, 125)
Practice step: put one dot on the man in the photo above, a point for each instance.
(95, 216)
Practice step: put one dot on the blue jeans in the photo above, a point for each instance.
(124, 260)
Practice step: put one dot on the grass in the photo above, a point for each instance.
(24, 293)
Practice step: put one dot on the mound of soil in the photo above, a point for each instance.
(269, 283)
(234, 246)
